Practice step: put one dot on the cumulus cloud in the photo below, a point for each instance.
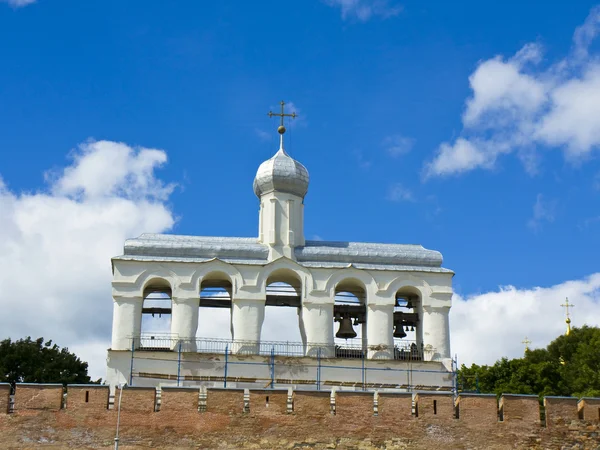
(55, 272)
(18, 3)
(518, 105)
(364, 10)
(486, 327)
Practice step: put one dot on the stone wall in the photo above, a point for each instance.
(194, 417)
(29, 396)
(560, 411)
(522, 410)
(87, 396)
(4, 397)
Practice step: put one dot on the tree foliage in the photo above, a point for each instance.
(569, 366)
(36, 361)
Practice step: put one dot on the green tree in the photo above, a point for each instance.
(570, 365)
(36, 361)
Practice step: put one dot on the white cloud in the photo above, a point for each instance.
(486, 327)
(363, 10)
(543, 211)
(18, 3)
(516, 105)
(56, 245)
(398, 145)
(398, 193)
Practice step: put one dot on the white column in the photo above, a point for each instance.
(436, 332)
(318, 328)
(184, 322)
(380, 331)
(127, 321)
(247, 317)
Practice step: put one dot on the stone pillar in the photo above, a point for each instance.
(184, 322)
(380, 331)
(127, 322)
(318, 328)
(436, 332)
(247, 317)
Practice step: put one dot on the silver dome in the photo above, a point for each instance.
(283, 174)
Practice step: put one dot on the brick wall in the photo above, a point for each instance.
(136, 399)
(354, 405)
(476, 409)
(225, 401)
(590, 409)
(394, 407)
(38, 396)
(560, 411)
(312, 403)
(87, 396)
(440, 406)
(179, 399)
(4, 397)
(268, 402)
(520, 409)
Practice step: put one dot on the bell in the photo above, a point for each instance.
(346, 331)
(399, 331)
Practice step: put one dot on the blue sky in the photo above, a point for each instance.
(419, 123)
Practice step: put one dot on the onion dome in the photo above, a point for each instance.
(281, 173)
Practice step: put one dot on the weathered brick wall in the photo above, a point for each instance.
(225, 401)
(590, 409)
(268, 402)
(179, 424)
(560, 411)
(38, 396)
(520, 409)
(312, 403)
(4, 397)
(136, 399)
(354, 405)
(394, 407)
(477, 409)
(439, 406)
(176, 400)
(92, 396)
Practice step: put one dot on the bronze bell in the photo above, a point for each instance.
(399, 331)
(345, 331)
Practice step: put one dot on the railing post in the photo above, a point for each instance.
(363, 370)
(179, 363)
(131, 364)
(272, 367)
(226, 360)
(319, 369)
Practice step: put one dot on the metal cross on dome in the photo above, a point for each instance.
(281, 128)
(526, 341)
(568, 305)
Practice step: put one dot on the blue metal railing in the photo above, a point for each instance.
(350, 349)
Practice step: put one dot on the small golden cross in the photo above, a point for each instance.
(293, 115)
(568, 305)
(526, 341)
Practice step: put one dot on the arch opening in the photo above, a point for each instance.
(349, 311)
(156, 316)
(214, 318)
(283, 290)
(408, 333)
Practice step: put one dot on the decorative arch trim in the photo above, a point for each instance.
(216, 265)
(303, 275)
(410, 282)
(350, 273)
(148, 276)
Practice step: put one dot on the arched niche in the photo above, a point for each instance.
(349, 311)
(408, 331)
(157, 294)
(283, 290)
(214, 317)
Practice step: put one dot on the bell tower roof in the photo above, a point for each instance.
(281, 173)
